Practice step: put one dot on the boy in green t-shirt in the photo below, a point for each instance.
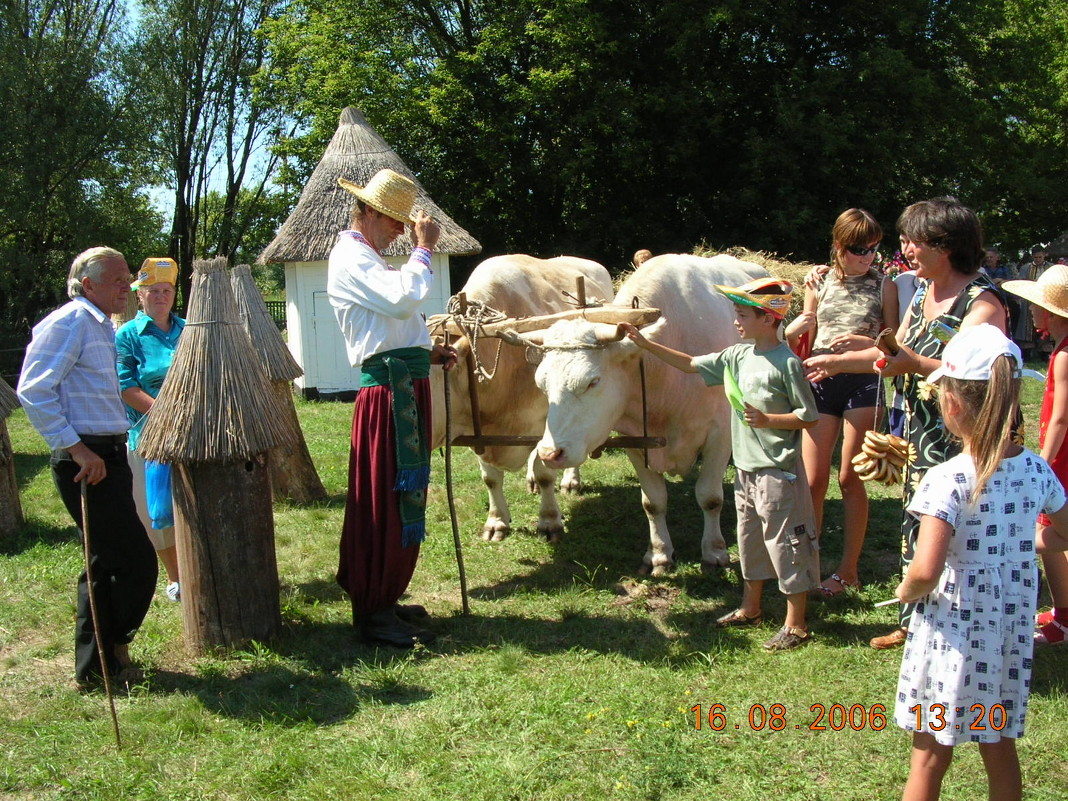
(777, 536)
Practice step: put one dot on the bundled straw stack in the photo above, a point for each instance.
(293, 473)
(214, 421)
(10, 507)
(216, 404)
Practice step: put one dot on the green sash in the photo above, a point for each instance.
(396, 369)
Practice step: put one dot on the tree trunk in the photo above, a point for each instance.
(293, 474)
(224, 528)
(10, 507)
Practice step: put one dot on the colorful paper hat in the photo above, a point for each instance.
(755, 294)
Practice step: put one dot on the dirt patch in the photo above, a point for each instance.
(656, 599)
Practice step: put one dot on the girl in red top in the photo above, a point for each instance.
(1049, 307)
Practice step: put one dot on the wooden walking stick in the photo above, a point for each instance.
(93, 613)
(448, 491)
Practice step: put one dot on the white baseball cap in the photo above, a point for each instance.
(971, 352)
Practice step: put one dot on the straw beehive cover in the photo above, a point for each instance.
(266, 338)
(9, 401)
(216, 404)
(356, 152)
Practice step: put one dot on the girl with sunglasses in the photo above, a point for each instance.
(846, 306)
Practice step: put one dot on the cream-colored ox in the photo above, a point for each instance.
(510, 403)
(590, 378)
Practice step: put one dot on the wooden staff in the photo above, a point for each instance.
(448, 491)
(92, 612)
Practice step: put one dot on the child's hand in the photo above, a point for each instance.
(633, 334)
(820, 367)
(805, 321)
(754, 418)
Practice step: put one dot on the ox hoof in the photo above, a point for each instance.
(532, 487)
(571, 487)
(660, 569)
(714, 567)
(495, 533)
(552, 535)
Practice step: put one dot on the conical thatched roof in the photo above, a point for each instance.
(356, 152)
(275, 357)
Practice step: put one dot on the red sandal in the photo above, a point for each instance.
(1053, 633)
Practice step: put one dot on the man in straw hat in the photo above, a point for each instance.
(1049, 310)
(389, 462)
(70, 390)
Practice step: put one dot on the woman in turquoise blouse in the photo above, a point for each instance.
(146, 347)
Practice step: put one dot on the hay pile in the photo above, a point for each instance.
(794, 272)
(216, 404)
(266, 339)
(9, 401)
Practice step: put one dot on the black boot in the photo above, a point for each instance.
(385, 628)
(411, 613)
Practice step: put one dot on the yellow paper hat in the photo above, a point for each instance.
(156, 271)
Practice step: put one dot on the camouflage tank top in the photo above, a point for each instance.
(850, 305)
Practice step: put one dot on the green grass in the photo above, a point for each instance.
(572, 679)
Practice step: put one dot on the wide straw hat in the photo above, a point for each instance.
(388, 192)
(1050, 291)
(156, 271)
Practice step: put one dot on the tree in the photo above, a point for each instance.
(597, 126)
(68, 151)
(195, 61)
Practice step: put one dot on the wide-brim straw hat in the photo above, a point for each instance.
(1050, 291)
(388, 192)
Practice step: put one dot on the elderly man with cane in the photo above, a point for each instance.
(70, 390)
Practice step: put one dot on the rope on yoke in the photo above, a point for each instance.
(469, 318)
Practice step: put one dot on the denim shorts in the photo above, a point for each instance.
(838, 394)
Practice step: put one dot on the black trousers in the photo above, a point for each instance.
(122, 557)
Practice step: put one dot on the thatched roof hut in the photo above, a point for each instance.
(304, 241)
(356, 152)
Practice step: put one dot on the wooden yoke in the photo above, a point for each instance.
(599, 314)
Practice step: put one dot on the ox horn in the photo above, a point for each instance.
(606, 333)
(530, 339)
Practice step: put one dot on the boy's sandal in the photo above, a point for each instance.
(825, 591)
(1053, 633)
(739, 618)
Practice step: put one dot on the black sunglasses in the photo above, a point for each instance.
(857, 250)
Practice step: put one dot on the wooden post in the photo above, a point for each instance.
(580, 290)
(10, 507)
(293, 474)
(230, 582)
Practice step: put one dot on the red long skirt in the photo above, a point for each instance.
(375, 569)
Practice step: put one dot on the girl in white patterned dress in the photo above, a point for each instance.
(966, 670)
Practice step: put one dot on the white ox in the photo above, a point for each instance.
(591, 380)
(511, 403)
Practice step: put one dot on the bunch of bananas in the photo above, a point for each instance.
(883, 457)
